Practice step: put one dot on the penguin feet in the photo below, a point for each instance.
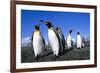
(37, 58)
(82, 47)
(79, 48)
(56, 56)
(61, 52)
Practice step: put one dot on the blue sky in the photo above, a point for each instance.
(65, 20)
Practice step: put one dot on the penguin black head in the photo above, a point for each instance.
(70, 31)
(78, 33)
(47, 23)
(36, 27)
(57, 28)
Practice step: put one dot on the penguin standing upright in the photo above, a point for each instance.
(37, 41)
(80, 44)
(69, 41)
(53, 37)
(62, 39)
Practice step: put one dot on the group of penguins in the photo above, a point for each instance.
(56, 40)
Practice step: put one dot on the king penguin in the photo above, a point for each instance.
(53, 37)
(80, 44)
(38, 41)
(62, 39)
(69, 41)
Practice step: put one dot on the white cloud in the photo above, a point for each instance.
(25, 41)
(73, 39)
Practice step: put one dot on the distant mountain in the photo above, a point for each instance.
(86, 40)
(26, 42)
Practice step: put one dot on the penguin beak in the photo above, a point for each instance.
(44, 21)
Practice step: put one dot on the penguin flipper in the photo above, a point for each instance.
(62, 38)
(72, 43)
(43, 43)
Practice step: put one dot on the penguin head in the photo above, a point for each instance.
(70, 31)
(36, 27)
(47, 23)
(78, 33)
(58, 29)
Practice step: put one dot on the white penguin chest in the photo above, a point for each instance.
(53, 39)
(52, 35)
(79, 39)
(37, 42)
(69, 38)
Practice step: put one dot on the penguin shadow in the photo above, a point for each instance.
(48, 56)
(70, 49)
(43, 56)
(66, 51)
(80, 48)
